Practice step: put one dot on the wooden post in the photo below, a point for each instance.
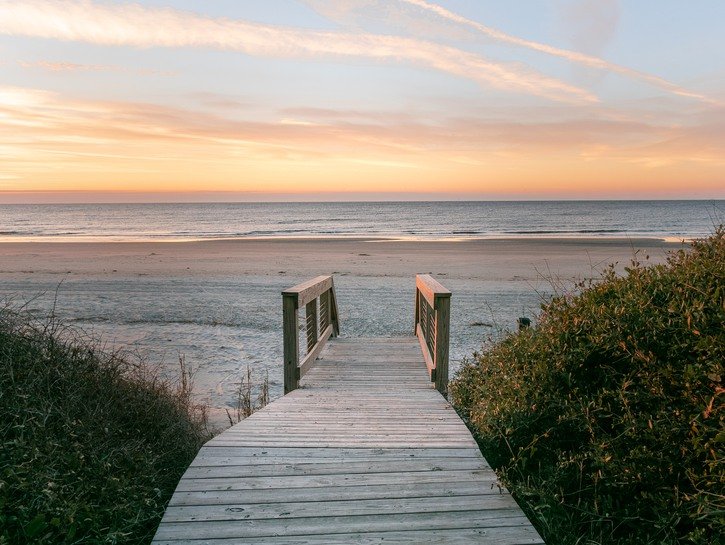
(442, 332)
(290, 329)
(417, 310)
(334, 317)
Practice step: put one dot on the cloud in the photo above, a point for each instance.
(219, 101)
(33, 120)
(591, 39)
(67, 66)
(135, 25)
(52, 66)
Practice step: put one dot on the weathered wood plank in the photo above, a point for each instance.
(303, 463)
(291, 510)
(309, 290)
(346, 427)
(442, 325)
(290, 326)
(346, 467)
(343, 524)
(316, 452)
(318, 494)
(458, 536)
(296, 481)
(345, 443)
(429, 287)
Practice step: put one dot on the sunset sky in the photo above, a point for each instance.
(336, 99)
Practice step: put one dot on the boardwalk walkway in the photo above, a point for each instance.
(365, 451)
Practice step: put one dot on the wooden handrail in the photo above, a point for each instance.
(319, 326)
(432, 327)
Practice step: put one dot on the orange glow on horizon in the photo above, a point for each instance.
(59, 145)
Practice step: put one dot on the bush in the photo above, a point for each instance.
(606, 419)
(93, 445)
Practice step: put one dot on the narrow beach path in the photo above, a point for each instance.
(366, 451)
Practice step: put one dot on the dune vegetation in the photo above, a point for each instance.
(605, 420)
(93, 443)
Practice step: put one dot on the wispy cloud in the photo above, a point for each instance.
(135, 25)
(42, 120)
(573, 56)
(219, 101)
(54, 66)
(338, 8)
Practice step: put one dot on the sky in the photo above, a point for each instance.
(361, 99)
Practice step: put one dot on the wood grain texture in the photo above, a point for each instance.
(290, 329)
(432, 327)
(430, 288)
(365, 451)
(309, 290)
(442, 331)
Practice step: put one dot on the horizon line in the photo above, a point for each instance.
(11, 197)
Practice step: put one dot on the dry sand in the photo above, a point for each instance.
(496, 259)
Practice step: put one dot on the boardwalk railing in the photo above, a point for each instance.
(321, 323)
(432, 326)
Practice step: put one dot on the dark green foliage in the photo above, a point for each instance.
(92, 446)
(606, 419)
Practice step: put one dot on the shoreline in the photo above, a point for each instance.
(567, 238)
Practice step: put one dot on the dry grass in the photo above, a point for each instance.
(250, 398)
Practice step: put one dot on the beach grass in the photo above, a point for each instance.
(93, 443)
(605, 420)
(250, 397)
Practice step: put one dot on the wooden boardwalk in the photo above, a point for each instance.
(365, 451)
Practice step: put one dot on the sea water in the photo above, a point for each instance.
(399, 220)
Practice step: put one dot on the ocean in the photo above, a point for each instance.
(221, 319)
(398, 220)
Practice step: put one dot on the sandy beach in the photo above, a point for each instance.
(492, 259)
(218, 303)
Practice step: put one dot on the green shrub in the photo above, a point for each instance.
(606, 419)
(92, 445)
